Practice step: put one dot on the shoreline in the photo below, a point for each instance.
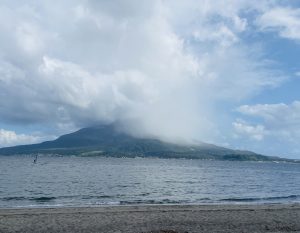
(108, 205)
(154, 218)
(232, 203)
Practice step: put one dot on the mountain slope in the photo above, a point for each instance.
(106, 141)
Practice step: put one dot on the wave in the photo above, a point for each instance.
(151, 201)
(257, 199)
(82, 200)
(13, 198)
(42, 199)
(39, 199)
(50, 198)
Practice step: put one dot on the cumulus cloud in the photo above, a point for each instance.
(9, 138)
(284, 20)
(256, 132)
(281, 121)
(157, 68)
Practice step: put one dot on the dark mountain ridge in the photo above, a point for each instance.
(106, 141)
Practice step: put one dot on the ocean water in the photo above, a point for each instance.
(90, 181)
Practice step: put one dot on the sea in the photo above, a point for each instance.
(96, 181)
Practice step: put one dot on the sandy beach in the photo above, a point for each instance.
(154, 219)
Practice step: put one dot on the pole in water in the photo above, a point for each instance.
(34, 161)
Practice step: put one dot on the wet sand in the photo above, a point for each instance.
(155, 219)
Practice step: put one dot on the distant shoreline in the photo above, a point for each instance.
(154, 218)
(32, 155)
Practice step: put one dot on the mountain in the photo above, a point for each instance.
(106, 141)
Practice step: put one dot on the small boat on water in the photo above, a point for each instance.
(35, 159)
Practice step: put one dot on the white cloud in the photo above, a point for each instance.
(221, 34)
(10, 138)
(28, 38)
(281, 121)
(286, 21)
(255, 132)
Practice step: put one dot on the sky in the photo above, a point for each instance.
(220, 71)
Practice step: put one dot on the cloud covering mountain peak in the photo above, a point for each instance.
(157, 68)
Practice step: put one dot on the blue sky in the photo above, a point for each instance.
(225, 72)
